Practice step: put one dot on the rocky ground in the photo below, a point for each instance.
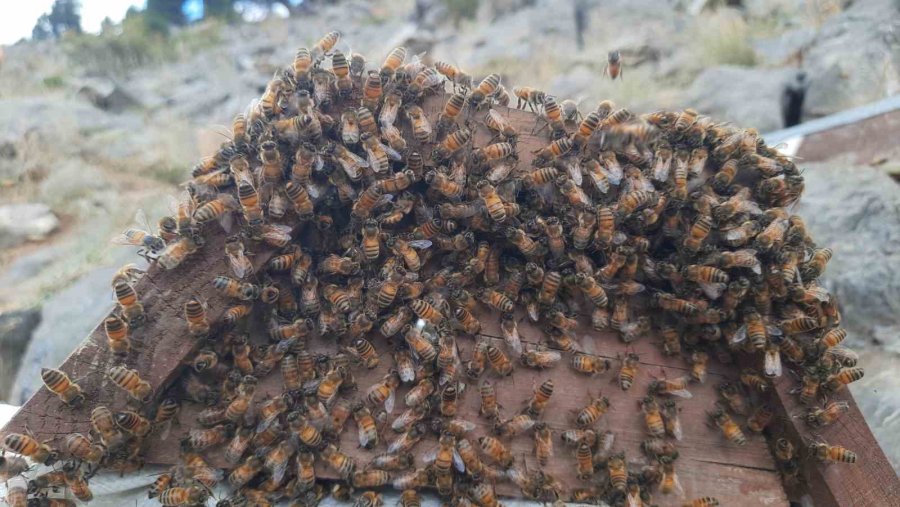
(86, 141)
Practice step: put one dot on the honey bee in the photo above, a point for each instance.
(613, 67)
(540, 358)
(133, 423)
(30, 448)
(666, 387)
(628, 370)
(840, 379)
(175, 253)
(195, 314)
(82, 448)
(653, 416)
(730, 429)
(131, 382)
(104, 425)
(132, 309)
(706, 501)
(831, 453)
(139, 235)
(670, 482)
(832, 411)
(760, 418)
(618, 474)
(233, 288)
(495, 451)
(340, 462)
(383, 392)
(589, 415)
(62, 386)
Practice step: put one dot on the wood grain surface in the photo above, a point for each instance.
(708, 465)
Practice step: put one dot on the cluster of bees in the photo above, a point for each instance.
(395, 233)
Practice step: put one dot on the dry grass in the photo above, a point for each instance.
(722, 38)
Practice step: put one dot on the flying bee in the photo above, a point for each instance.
(62, 386)
(138, 235)
(131, 382)
(613, 67)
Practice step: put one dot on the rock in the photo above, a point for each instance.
(748, 97)
(574, 83)
(876, 395)
(106, 94)
(25, 222)
(15, 333)
(854, 58)
(66, 320)
(855, 211)
(29, 265)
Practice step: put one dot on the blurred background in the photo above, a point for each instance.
(106, 104)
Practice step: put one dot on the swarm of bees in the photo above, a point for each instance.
(395, 233)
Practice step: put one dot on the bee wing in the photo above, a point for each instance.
(713, 290)
(661, 168)
(430, 456)
(239, 265)
(681, 393)
(734, 234)
(677, 432)
(740, 336)
(600, 181)
(278, 471)
(773, 331)
(772, 364)
(458, 462)
(389, 402)
(140, 219)
(227, 221)
(511, 335)
(420, 244)
(123, 239)
(392, 153)
(574, 171)
(164, 429)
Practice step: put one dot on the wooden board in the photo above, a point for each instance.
(707, 466)
(870, 481)
(162, 345)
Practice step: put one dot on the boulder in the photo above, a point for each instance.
(66, 320)
(106, 94)
(855, 211)
(750, 97)
(25, 222)
(15, 332)
(854, 58)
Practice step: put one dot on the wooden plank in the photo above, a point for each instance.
(871, 481)
(707, 466)
(162, 345)
(704, 454)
